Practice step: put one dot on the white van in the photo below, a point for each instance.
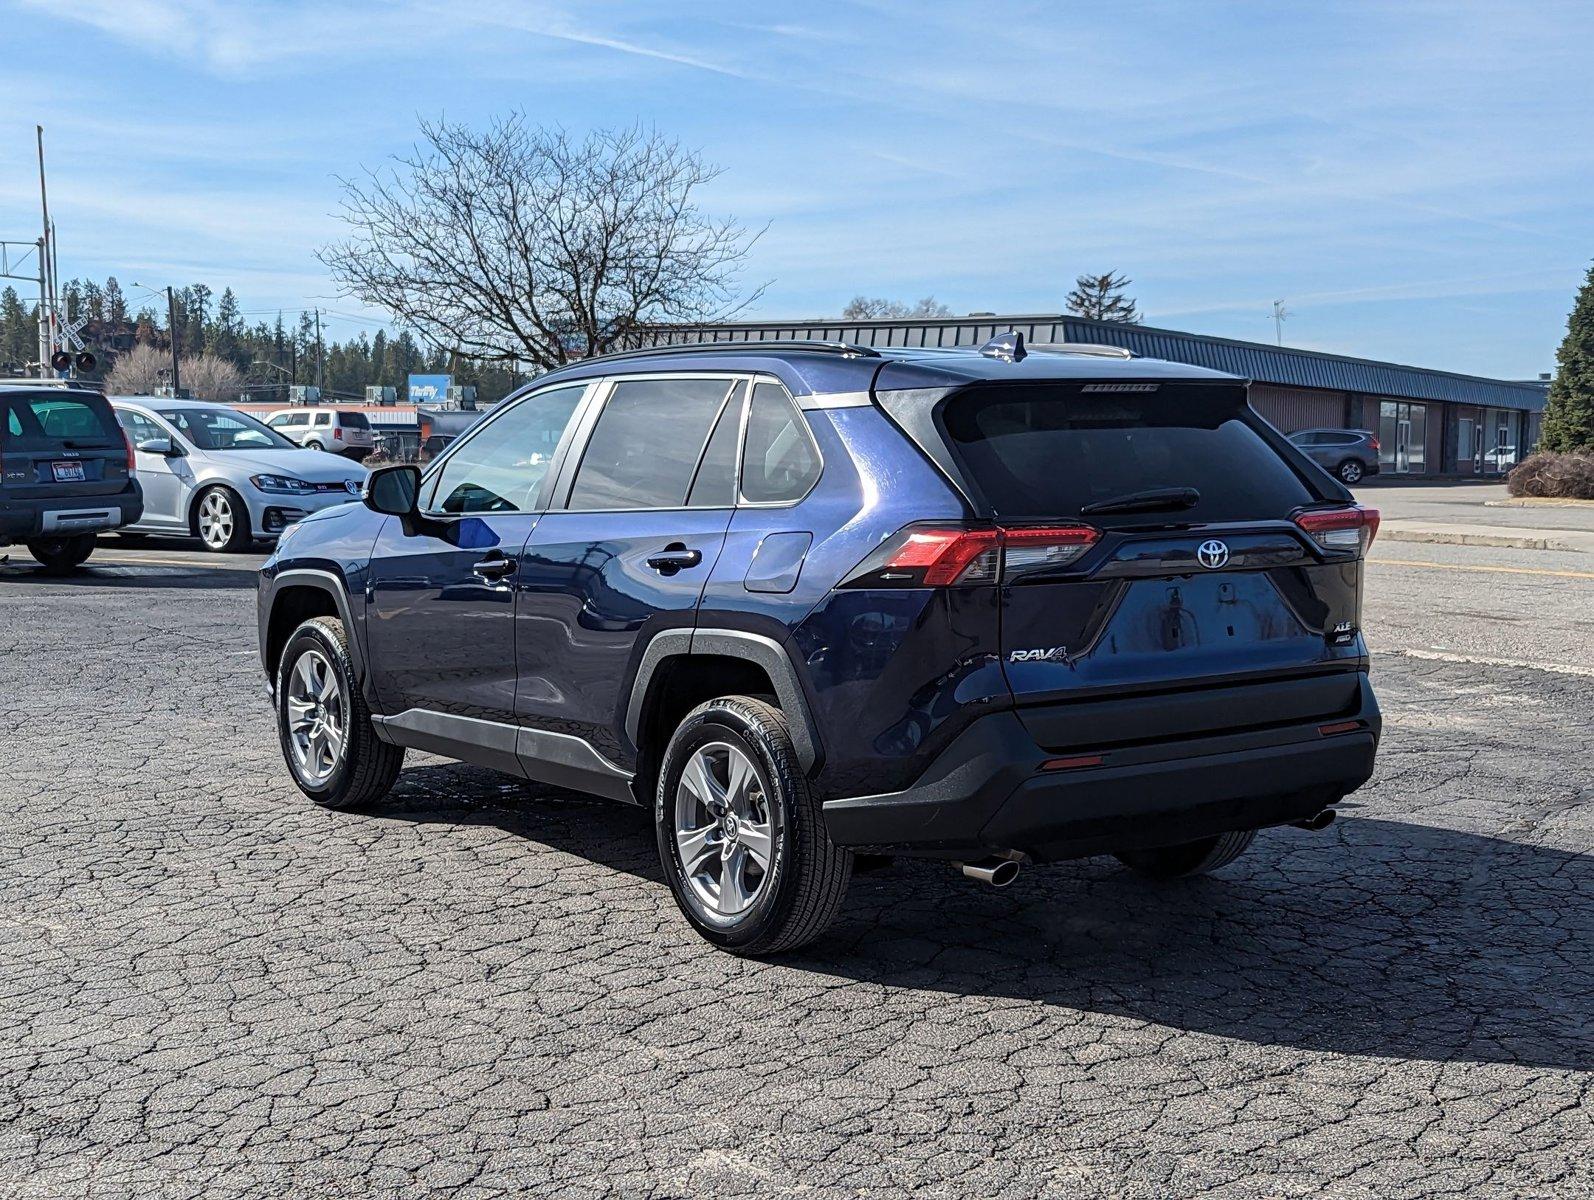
(341, 430)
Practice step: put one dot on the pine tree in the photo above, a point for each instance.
(1569, 415)
(19, 331)
(1101, 298)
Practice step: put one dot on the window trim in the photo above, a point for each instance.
(545, 494)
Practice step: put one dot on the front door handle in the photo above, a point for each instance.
(675, 557)
(493, 568)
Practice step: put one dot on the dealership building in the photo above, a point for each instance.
(1428, 422)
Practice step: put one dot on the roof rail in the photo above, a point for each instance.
(843, 349)
(88, 385)
(1096, 348)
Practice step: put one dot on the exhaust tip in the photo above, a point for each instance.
(998, 872)
(1321, 821)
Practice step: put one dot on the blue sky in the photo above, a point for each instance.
(1414, 179)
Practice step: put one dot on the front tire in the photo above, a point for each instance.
(740, 834)
(324, 725)
(1351, 471)
(59, 555)
(222, 520)
(1188, 858)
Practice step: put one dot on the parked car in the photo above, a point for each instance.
(343, 431)
(217, 474)
(810, 600)
(440, 427)
(65, 471)
(1346, 454)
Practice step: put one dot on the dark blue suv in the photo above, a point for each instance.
(812, 600)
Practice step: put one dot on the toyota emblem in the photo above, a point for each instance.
(1212, 554)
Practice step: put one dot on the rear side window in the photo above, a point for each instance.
(48, 419)
(647, 443)
(779, 460)
(1049, 450)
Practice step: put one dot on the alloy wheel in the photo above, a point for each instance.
(723, 830)
(316, 716)
(215, 519)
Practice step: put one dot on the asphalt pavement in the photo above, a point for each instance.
(209, 988)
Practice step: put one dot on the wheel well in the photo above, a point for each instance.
(680, 685)
(294, 606)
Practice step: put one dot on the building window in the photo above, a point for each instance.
(1402, 437)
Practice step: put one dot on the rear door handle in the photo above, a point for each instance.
(675, 557)
(494, 568)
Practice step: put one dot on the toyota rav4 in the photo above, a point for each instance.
(807, 601)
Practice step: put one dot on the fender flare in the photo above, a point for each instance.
(755, 648)
(324, 581)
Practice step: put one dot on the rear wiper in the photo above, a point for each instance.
(1154, 500)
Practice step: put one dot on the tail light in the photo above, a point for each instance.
(1373, 442)
(127, 442)
(337, 433)
(1350, 528)
(936, 555)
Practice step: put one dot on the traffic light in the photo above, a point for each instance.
(61, 360)
(85, 361)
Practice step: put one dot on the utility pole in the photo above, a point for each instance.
(1280, 315)
(320, 355)
(44, 319)
(171, 327)
(47, 259)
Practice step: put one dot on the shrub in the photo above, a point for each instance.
(1564, 476)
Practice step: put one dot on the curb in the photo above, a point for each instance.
(1539, 502)
(1445, 538)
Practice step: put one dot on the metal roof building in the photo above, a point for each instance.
(1428, 421)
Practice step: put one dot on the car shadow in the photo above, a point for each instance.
(111, 574)
(1376, 937)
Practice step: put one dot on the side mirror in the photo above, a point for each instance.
(394, 490)
(157, 445)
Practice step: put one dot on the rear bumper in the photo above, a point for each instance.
(65, 516)
(988, 792)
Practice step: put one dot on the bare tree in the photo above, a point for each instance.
(1101, 298)
(518, 242)
(138, 372)
(211, 377)
(866, 308)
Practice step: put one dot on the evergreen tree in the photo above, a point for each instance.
(19, 330)
(1101, 298)
(1569, 415)
(115, 302)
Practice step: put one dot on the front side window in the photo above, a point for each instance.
(139, 427)
(779, 459)
(501, 466)
(224, 429)
(647, 444)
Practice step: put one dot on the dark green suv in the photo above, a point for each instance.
(66, 471)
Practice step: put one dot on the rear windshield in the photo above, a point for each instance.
(46, 419)
(1049, 450)
(353, 420)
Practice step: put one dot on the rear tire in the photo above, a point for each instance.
(1188, 858)
(1351, 471)
(361, 769)
(765, 876)
(58, 555)
(314, 446)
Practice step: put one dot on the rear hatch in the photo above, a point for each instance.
(60, 445)
(1166, 557)
(356, 426)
